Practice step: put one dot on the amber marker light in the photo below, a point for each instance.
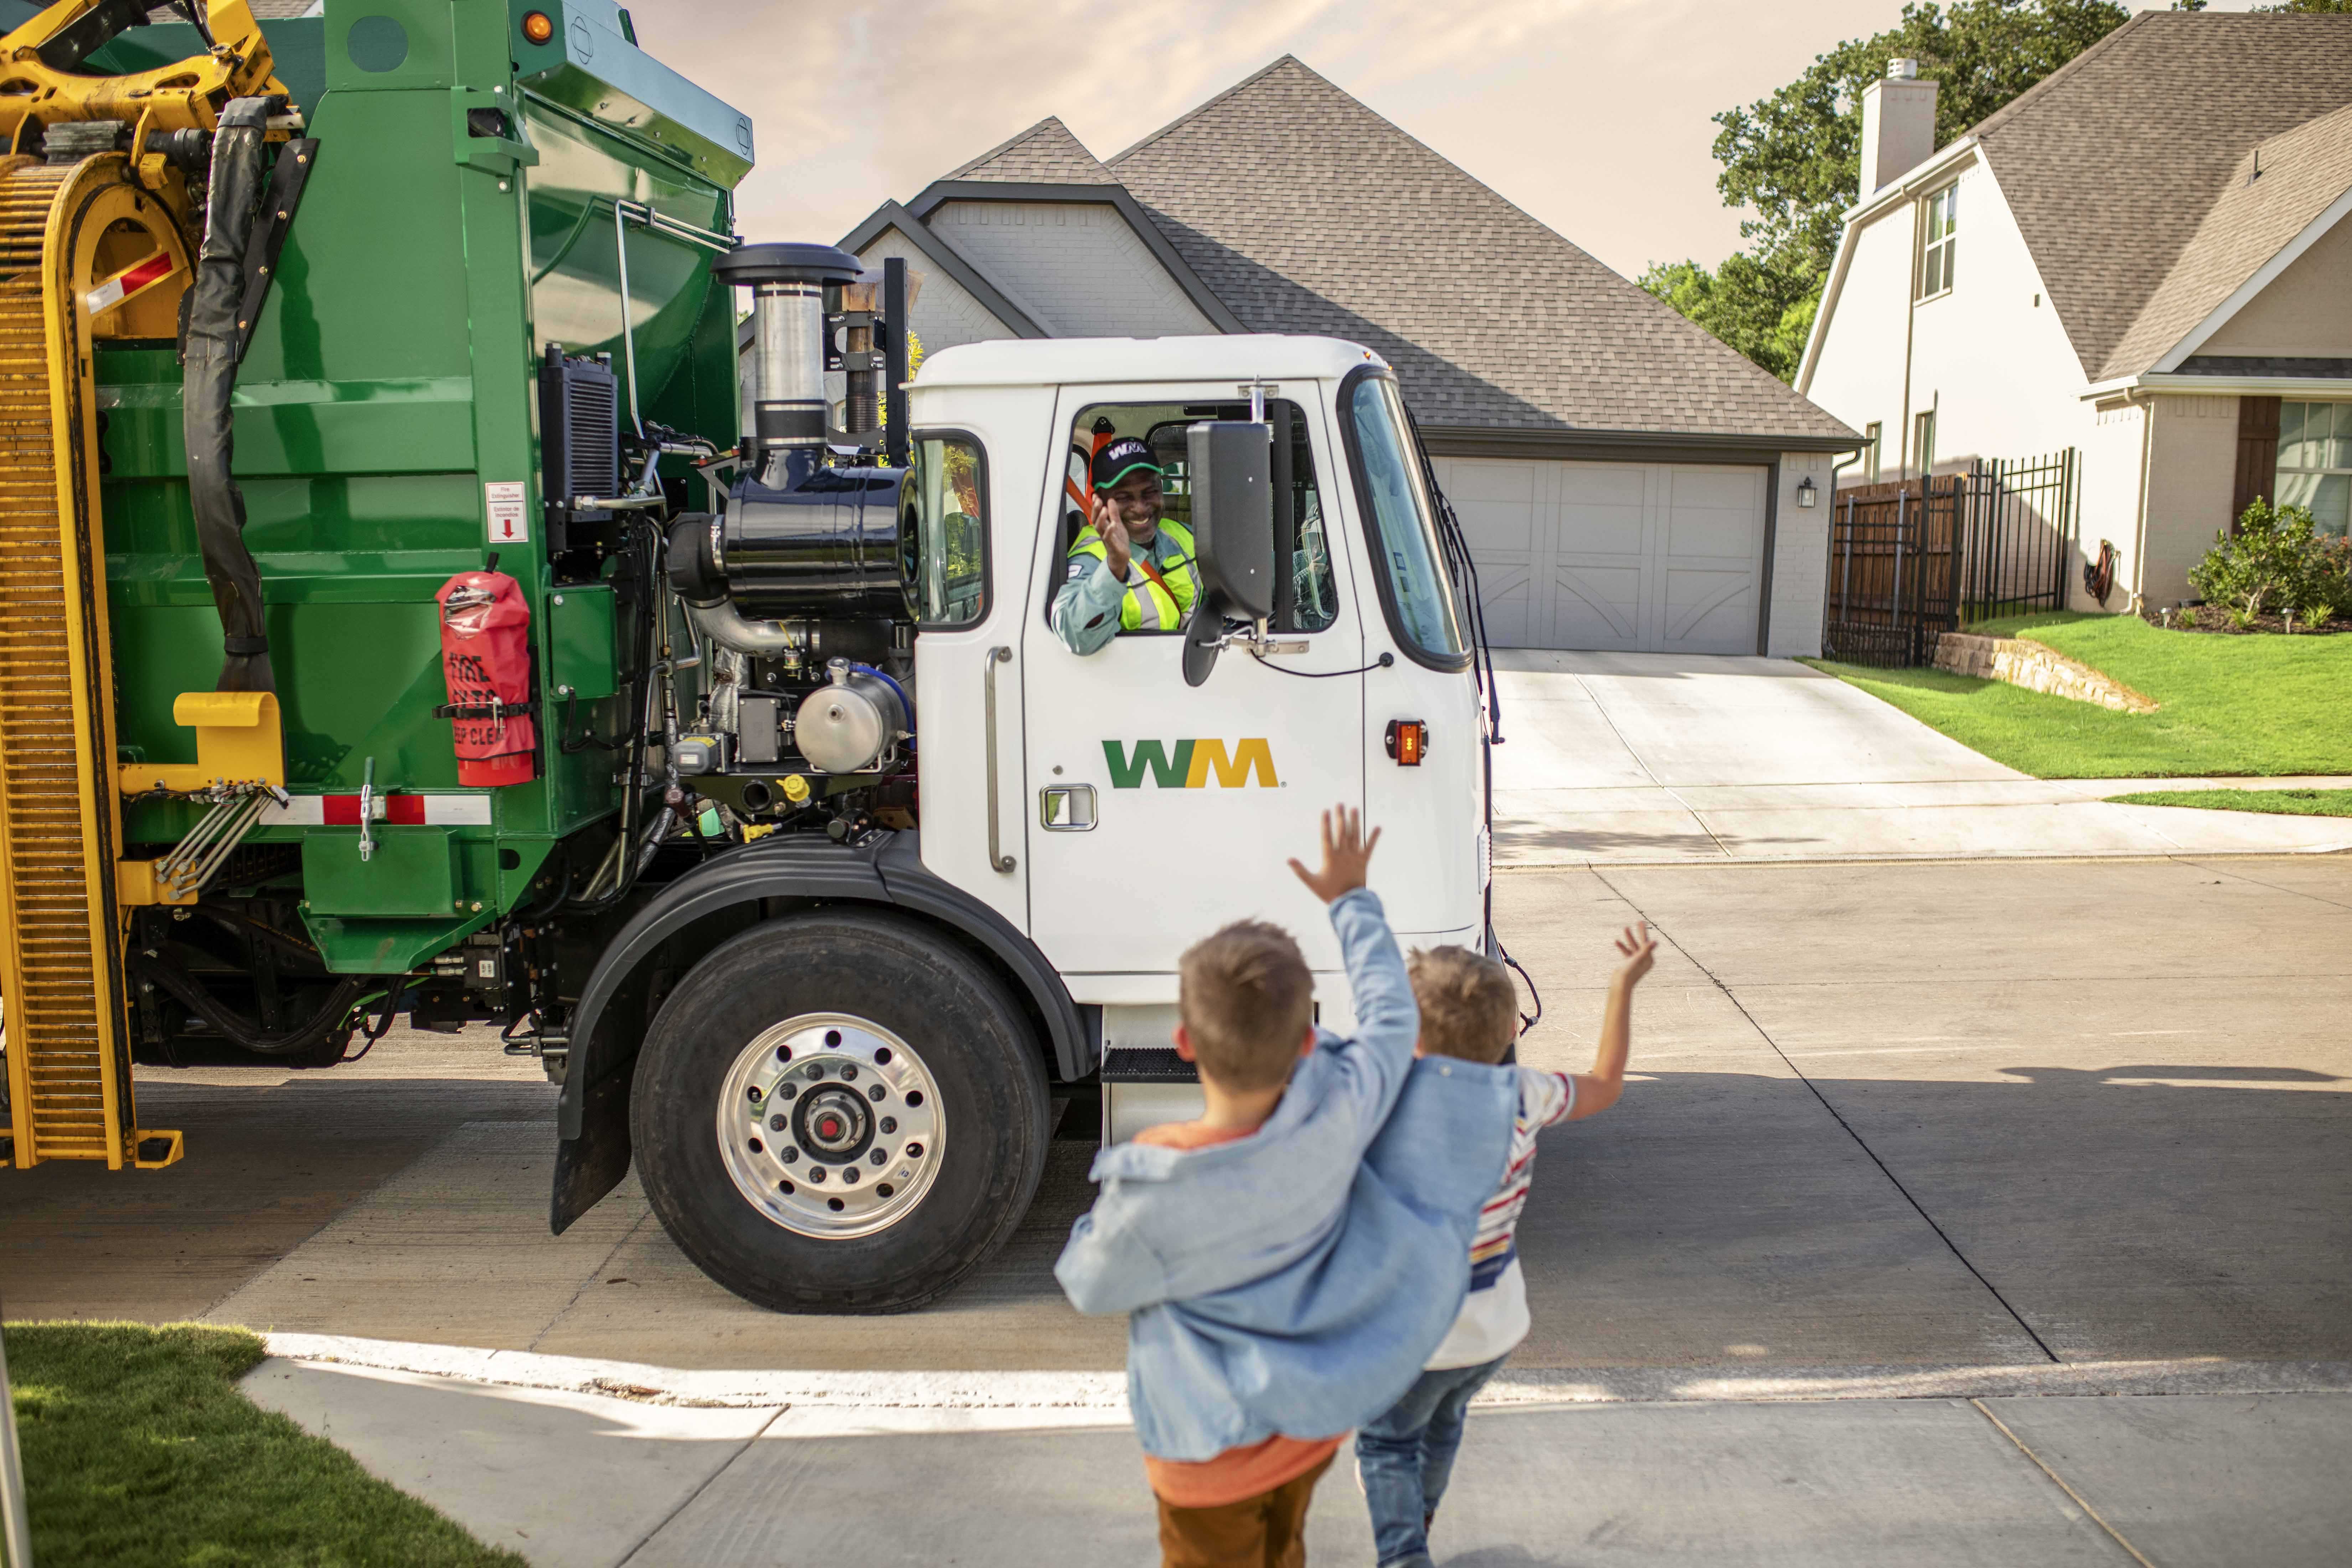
(537, 28)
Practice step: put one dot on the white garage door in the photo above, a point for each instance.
(1653, 557)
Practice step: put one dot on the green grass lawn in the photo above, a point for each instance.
(139, 1450)
(2256, 705)
(2277, 802)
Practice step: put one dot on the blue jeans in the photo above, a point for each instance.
(1405, 1457)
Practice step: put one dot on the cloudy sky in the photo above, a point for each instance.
(1591, 114)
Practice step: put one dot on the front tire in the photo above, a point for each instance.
(793, 1056)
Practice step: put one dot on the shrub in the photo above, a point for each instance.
(2275, 562)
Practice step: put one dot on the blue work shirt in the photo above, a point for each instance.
(1294, 1281)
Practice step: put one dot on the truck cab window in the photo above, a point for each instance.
(945, 531)
(1308, 601)
(1415, 588)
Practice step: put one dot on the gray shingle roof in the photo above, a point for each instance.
(2113, 163)
(2301, 171)
(1044, 154)
(1306, 212)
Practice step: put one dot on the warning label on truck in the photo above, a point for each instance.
(509, 523)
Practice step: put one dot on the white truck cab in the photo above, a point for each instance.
(1133, 814)
(953, 863)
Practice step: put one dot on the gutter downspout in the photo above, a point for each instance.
(2138, 399)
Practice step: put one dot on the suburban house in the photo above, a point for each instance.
(1624, 479)
(2143, 260)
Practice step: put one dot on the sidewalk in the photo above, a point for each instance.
(1641, 758)
(592, 1463)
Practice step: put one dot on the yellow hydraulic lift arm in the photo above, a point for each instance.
(90, 247)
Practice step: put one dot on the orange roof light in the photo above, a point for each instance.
(537, 28)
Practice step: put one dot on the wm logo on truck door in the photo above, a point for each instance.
(1190, 764)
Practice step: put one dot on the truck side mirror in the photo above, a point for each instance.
(1230, 464)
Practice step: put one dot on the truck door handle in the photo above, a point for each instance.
(1067, 808)
(997, 859)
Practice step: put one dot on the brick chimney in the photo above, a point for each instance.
(1898, 126)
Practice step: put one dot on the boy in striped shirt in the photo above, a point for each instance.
(1469, 1010)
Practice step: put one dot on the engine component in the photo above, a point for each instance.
(853, 724)
(579, 422)
(486, 660)
(828, 548)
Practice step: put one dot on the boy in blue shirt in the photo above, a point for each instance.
(1259, 1250)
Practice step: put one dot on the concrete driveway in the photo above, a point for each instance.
(1643, 758)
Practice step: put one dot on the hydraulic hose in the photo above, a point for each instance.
(236, 1026)
(210, 352)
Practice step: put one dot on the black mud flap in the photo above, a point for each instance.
(591, 1165)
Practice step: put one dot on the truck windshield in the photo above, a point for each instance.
(1389, 482)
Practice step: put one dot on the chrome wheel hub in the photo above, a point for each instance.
(830, 1126)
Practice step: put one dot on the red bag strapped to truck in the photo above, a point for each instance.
(486, 660)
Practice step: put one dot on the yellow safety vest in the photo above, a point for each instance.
(1166, 611)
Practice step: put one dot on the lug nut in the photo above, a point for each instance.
(775, 1124)
(849, 1174)
(816, 1173)
(889, 1124)
(816, 1070)
(789, 1154)
(878, 1157)
(874, 1093)
(849, 1074)
(787, 1091)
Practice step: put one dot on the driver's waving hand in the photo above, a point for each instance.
(1128, 570)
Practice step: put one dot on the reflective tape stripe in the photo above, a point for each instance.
(470, 810)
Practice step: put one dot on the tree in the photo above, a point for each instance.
(1795, 157)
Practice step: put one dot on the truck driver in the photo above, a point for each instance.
(1128, 571)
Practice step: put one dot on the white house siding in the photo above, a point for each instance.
(1800, 559)
(1857, 374)
(1079, 262)
(2115, 471)
(2192, 475)
(2306, 312)
(946, 314)
(1996, 368)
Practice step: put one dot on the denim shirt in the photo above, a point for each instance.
(1295, 1280)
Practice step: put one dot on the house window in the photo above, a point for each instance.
(1871, 435)
(1936, 255)
(1924, 441)
(2315, 461)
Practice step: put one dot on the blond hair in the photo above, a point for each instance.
(1247, 1002)
(1468, 1005)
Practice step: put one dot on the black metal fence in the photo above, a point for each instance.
(1912, 561)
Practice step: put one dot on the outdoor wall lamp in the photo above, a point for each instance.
(1807, 491)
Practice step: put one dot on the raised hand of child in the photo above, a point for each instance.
(1346, 854)
(1640, 949)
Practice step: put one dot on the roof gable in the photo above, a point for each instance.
(2113, 163)
(1046, 154)
(1306, 212)
(2273, 196)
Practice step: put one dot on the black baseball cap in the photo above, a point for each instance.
(1122, 457)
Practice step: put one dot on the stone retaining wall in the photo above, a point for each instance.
(2036, 667)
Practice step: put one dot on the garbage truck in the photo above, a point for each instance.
(452, 576)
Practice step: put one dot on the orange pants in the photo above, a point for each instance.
(1268, 1530)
